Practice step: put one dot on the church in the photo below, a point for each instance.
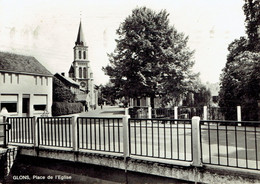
(81, 72)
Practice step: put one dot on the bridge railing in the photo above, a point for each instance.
(161, 138)
(21, 131)
(100, 134)
(230, 143)
(54, 131)
(196, 142)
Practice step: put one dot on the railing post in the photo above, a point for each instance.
(175, 113)
(239, 114)
(75, 143)
(126, 136)
(126, 111)
(4, 129)
(205, 113)
(149, 112)
(196, 151)
(35, 132)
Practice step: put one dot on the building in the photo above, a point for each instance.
(80, 70)
(69, 83)
(25, 85)
(75, 88)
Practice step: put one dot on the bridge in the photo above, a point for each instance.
(194, 150)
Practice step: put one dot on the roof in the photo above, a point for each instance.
(10, 62)
(67, 80)
(71, 69)
(80, 38)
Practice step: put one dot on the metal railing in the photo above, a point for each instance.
(55, 131)
(3, 135)
(224, 143)
(100, 134)
(161, 138)
(189, 112)
(163, 113)
(227, 143)
(21, 131)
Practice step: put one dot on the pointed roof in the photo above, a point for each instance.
(80, 38)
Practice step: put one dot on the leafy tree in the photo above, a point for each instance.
(151, 58)
(240, 78)
(199, 97)
(252, 12)
(61, 93)
(241, 85)
(108, 93)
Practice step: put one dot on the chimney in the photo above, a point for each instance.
(63, 74)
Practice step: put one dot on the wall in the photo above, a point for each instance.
(34, 87)
(175, 169)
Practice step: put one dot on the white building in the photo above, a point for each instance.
(25, 85)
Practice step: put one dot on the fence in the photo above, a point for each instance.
(161, 138)
(228, 144)
(21, 131)
(163, 113)
(55, 131)
(100, 134)
(3, 132)
(138, 112)
(224, 143)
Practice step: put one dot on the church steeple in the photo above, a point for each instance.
(80, 38)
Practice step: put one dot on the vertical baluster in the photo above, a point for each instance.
(218, 143)
(246, 148)
(256, 147)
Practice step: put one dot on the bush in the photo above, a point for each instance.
(64, 108)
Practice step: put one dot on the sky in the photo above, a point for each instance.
(47, 30)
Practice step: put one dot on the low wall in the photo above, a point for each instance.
(166, 168)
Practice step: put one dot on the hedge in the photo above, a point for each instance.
(64, 108)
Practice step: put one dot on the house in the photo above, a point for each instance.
(80, 93)
(25, 85)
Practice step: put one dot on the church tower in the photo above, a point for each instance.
(80, 69)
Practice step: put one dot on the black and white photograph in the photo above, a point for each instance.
(130, 91)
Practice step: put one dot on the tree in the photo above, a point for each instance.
(251, 9)
(151, 58)
(240, 82)
(61, 93)
(241, 85)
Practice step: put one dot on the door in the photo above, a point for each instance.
(26, 107)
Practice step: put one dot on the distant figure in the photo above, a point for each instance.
(86, 107)
(101, 106)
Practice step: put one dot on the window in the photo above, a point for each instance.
(39, 107)
(9, 101)
(84, 54)
(85, 73)
(80, 72)
(10, 106)
(79, 54)
(40, 102)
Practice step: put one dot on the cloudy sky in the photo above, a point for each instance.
(47, 29)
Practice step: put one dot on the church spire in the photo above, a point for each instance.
(80, 38)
